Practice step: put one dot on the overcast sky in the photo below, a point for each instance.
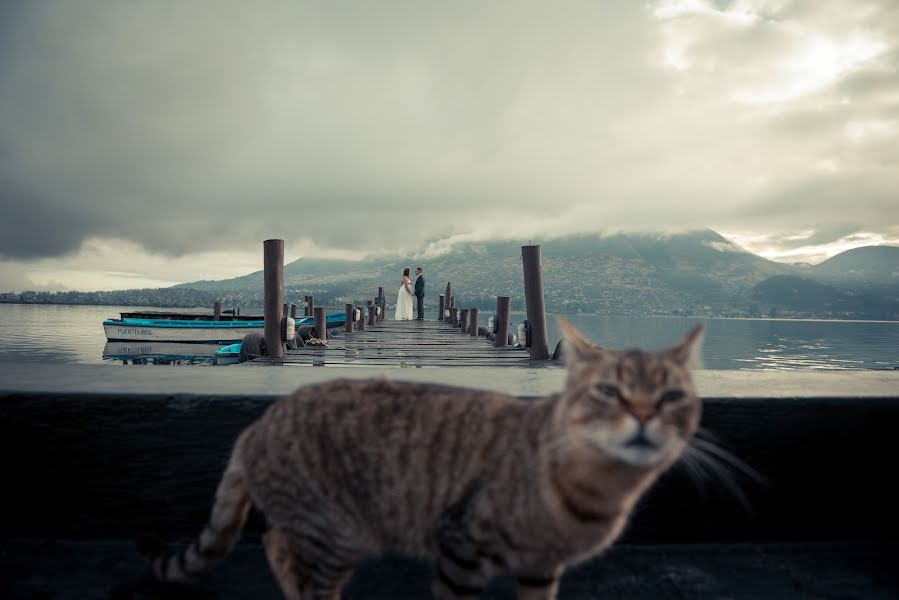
(149, 143)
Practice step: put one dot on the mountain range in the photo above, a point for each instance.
(695, 273)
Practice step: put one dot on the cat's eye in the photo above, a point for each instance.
(671, 396)
(609, 390)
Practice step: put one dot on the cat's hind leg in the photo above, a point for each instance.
(292, 575)
(302, 573)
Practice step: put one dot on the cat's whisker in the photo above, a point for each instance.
(730, 459)
(696, 475)
(706, 434)
(721, 472)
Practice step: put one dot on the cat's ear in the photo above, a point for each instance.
(575, 344)
(688, 351)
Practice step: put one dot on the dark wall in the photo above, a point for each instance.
(82, 466)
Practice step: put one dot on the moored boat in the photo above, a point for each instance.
(193, 329)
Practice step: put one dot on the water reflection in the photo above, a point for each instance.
(74, 334)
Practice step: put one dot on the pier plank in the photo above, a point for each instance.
(400, 344)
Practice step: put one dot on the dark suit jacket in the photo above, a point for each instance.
(420, 286)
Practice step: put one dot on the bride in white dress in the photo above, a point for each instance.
(404, 299)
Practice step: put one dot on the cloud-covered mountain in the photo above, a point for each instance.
(697, 272)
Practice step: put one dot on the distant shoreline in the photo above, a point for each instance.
(805, 317)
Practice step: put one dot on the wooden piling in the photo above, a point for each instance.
(533, 297)
(273, 266)
(463, 321)
(293, 311)
(503, 306)
(350, 310)
(217, 310)
(473, 315)
(321, 324)
(371, 313)
(310, 305)
(442, 302)
(454, 316)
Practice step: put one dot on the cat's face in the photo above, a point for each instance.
(638, 407)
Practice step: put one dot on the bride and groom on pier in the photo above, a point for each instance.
(405, 295)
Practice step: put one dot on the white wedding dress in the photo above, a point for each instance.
(404, 301)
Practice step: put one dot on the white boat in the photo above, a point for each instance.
(168, 330)
(195, 329)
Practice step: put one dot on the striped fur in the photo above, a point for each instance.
(481, 483)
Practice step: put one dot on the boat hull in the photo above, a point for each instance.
(132, 332)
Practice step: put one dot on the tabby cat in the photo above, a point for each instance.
(479, 482)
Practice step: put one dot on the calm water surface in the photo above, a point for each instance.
(74, 334)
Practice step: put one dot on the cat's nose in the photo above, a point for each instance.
(642, 413)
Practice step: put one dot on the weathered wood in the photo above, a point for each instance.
(441, 309)
(273, 266)
(310, 305)
(448, 296)
(293, 311)
(350, 310)
(371, 313)
(463, 321)
(320, 322)
(473, 317)
(533, 297)
(454, 313)
(217, 310)
(503, 306)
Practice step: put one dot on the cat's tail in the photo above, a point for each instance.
(229, 513)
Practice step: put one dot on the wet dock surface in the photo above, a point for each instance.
(407, 344)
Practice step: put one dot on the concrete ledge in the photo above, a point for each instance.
(280, 380)
(106, 453)
(113, 466)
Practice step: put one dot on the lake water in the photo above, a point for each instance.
(74, 334)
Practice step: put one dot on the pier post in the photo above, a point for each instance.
(448, 296)
(473, 315)
(321, 325)
(350, 310)
(293, 311)
(310, 305)
(533, 298)
(503, 306)
(382, 304)
(371, 312)
(273, 266)
(463, 321)
(217, 311)
(442, 302)
(454, 316)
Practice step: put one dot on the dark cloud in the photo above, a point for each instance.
(192, 127)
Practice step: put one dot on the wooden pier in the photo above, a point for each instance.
(406, 344)
(454, 339)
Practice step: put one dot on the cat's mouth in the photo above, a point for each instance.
(641, 442)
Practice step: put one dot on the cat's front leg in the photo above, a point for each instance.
(539, 587)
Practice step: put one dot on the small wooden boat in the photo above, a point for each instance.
(194, 329)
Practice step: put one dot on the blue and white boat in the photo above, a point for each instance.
(196, 329)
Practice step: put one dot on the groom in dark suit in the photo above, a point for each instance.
(420, 293)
